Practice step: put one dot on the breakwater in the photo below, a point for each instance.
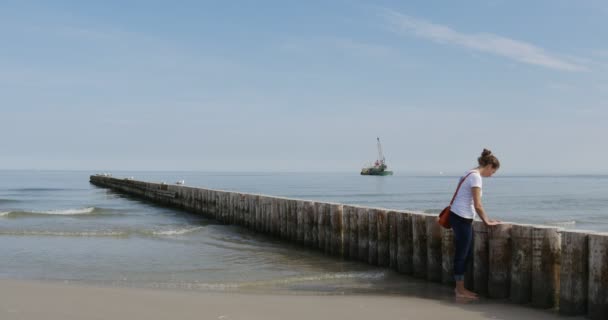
(545, 267)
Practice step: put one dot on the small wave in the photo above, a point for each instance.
(120, 234)
(68, 211)
(227, 286)
(432, 210)
(563, 223)
(176, 232)
(303, 279)
(333, 276)
(39, 189)
(89, 211)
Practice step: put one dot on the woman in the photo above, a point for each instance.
(466, 204)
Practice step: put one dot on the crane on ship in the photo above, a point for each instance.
(379, 167)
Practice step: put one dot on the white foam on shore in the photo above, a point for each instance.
(563, 223)
(67, 211)
(65, 233)
(176, 232)
(222, 286)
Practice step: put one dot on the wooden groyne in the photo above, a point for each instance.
(545, 267)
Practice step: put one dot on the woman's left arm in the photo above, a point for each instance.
(479, 208)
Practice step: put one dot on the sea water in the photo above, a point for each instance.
(56, 226)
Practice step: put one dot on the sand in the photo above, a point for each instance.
(25, 300)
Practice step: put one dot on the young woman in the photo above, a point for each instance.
(466, 204)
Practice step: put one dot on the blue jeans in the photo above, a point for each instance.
(463, 237)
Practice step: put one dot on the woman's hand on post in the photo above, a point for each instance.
(491, 222)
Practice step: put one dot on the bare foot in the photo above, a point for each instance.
(466, 294)
(471, 293)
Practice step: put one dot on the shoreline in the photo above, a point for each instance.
(25, 300)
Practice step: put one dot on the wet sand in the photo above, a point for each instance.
(28, 300)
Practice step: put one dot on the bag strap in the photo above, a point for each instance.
(460, 184)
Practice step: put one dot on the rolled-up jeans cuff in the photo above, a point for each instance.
(459, 277)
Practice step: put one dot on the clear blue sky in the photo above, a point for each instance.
(304, 85)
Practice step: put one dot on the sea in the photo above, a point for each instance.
(56, 226)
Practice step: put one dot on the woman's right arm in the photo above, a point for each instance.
(479, 207)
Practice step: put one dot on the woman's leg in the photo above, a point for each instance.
(463, 234)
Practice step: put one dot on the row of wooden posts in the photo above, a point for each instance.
(546, 267)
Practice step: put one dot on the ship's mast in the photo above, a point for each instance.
(380, 155)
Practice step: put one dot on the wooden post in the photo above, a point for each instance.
(546, 250)
(521, 264)
(499, 258)
(383, 238)
(347, 212)
(362, 235)
(336, 211)
(434, 259)
(393, 245)
(574, 273)
(419, 244)
(353, 225)
(598, 276)
(480, 257)
(405, 243)
(447, 256)
(372, 236)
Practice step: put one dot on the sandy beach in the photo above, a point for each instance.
(28, 300)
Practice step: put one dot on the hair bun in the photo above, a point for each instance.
(486, 152)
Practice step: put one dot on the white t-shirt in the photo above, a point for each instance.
(463, 204)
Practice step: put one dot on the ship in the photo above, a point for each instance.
(379, 167)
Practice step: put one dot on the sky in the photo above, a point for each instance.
(297, 86)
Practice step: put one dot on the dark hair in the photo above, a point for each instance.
(487, 158)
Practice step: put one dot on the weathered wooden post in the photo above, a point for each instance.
(232, 207)
(238, 209)
(353, 239)
(362, 235)
(275, 217)
(392, 239)
(469, 275)
(499, 258)
(383, 238)
(322, 220)
(292, 216)
(372, 234)
(574, 273)
(598, 276)
(212, 204)
(313, 219)
(419, 237)
(521, 264)
(546, 250)
(258, 213)
(247, 213)
(305, 217)
(283, 218)
(223, 206)
(347, 211)
(267, 214)
(434, 259)
(480, 257)
(261, 214)
(447, 256)
(336, 211)
(405, 243)
(302, 223)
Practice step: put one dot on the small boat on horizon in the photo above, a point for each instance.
(379, 167)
